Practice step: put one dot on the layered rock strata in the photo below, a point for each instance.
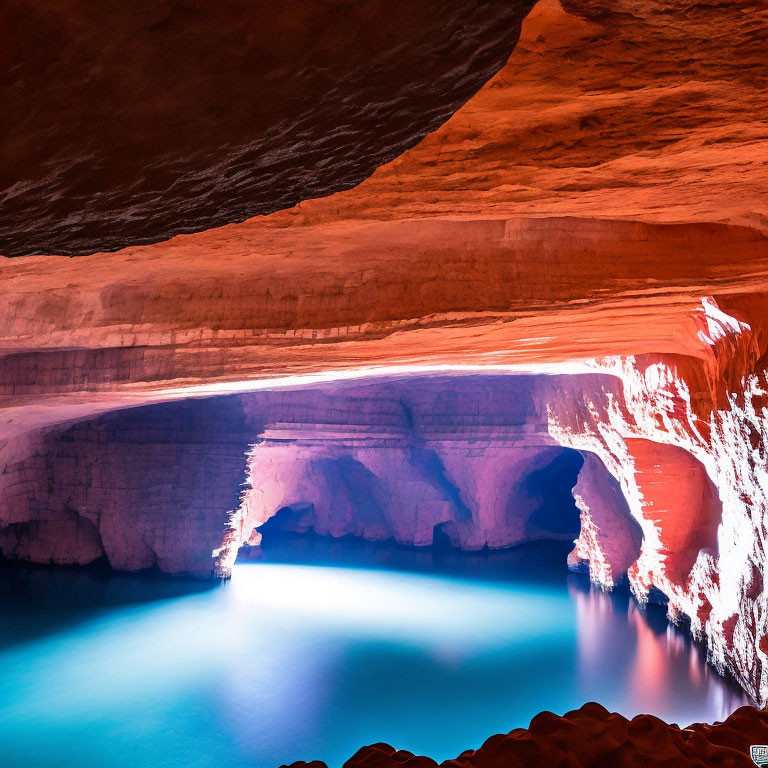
(640, 421)
(147, 488)
(390, 459)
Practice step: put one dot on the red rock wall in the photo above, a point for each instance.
(635, 109)
(610, 539)
(703, 545)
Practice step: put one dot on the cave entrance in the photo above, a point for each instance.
(441, 540)
(548, 489)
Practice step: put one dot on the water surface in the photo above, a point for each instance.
(321, 647)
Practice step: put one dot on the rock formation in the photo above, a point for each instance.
(400, 459)
(136, 122)
(394, 458)
(145, 488)
(590, 737)
(619, 110)
(593, 218)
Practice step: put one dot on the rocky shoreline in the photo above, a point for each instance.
(592, 737)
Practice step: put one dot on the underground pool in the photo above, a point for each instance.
(317, 647)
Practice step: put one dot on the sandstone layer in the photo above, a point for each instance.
(394, 459)
(145, 488)
(635, 109)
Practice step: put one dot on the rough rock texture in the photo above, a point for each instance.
(158, 486)
(610, 538)
(147, 488)
(635, 109)
(693, 476)
(592, 737)
(131, 123)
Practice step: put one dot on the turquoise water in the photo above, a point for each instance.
(319, 648)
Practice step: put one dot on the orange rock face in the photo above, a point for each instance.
(623, 110)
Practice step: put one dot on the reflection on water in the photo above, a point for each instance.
(321, 647)
(657, 668)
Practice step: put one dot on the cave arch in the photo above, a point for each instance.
(501, 498)
(549, 487)
(680, 501)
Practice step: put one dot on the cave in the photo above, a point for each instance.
(370, 522)
(538, 505)
(378, 511)
(383, 373)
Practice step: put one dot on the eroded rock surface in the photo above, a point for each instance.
(402, 458)
(147, 488)
(616, 110)
(396, 459)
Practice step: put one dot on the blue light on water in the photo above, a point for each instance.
(293, 662)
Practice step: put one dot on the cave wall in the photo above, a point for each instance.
(140, 122)
(685, 439)
(598, 206)
(157, 486)
(403, 492)
(144, 488)
(399, 457)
